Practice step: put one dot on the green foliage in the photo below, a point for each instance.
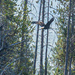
(60, 49)
(16, 25)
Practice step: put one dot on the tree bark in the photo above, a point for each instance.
(72, 33)
(70, 65)
(66, 58)
(0, 25)
(42, 38)
(47, 42)
(37, 39)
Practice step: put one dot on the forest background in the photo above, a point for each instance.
(26, 49)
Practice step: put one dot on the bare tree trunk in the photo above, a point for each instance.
(72, 33)
(66, 58)
(2, 22)
(47, 42)
(0, 37)
(42, 38)
(37, 39)
(0, 25)
(70, 65)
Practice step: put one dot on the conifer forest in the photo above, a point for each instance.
(37, 37)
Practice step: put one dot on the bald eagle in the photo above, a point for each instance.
(44, 26)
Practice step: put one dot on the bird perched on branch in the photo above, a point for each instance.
(44, 26)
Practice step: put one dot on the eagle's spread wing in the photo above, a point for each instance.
(48, 23)
(36, 22)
